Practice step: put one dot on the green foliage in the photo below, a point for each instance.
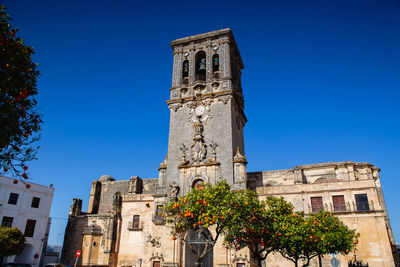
(208, 207)
(262, 226)
(12, 242)
(19, 119)
(318, 234)
(200, 209)
(256, 224)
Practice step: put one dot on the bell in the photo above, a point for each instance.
(216, 61)
(186, 67)
(202, 64)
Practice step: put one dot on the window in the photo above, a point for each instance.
(198, 184)
(7, 221)
(240, 265)
(35, 202)
(362, 202)
(30, 228)
(316, 204)
(156, 264)
(136, 221)
(13, 198)
(159, 212)
(338, 203)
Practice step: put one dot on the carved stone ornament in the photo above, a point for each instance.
(163, 165)
(175, 106)
(200, 110)
(198, 150)
(224, 99)
(239, 158)
(174, 190)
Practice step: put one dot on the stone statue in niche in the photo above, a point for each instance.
(174, 190)
(135, 185)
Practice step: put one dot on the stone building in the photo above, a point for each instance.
(122, 227)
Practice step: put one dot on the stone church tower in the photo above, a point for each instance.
(122, 226)
(207, 118)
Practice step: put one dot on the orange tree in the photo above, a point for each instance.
(12, 242)
(258, 226)
(19, 119)
(206, 207)
(305, 238)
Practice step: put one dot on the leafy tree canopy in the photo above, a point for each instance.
(19, 119)
(257, 224)
(12, 242)
(207, 207)
(319, 234)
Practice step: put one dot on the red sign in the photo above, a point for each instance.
(78, 253)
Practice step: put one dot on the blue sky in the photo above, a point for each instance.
(321, 83)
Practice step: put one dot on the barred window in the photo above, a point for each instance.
(136, 222)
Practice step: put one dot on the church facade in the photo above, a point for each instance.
(122, 226)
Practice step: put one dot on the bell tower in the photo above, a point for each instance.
(206, 114)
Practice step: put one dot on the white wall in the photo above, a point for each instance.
(23, 211)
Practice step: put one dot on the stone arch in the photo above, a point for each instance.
(200, 66)
(195, 244)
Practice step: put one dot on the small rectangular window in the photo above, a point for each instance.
(35, 202)
(159, 211)
(7, 221)
(362, 202)
(13, 199)
(316, 204)
(240, 265)
(30, 228)
(338, 203)
(156, 264)
(136, 221)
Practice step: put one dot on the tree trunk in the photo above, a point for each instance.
(259, 262)
(319, 260)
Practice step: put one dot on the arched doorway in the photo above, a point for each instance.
(194, 247)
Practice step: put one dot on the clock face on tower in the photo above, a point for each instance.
(200, 110)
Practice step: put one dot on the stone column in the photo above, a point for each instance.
(177, 68)
(225, 57)
(209, 61)
(191, 58)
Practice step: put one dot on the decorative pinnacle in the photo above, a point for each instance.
(239, 158)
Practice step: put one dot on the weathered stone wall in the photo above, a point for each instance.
(73, 239)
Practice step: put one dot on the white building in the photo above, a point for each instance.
(28, 209)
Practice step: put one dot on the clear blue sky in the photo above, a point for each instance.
(321, 83)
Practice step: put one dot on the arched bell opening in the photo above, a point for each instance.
(185, 72)
(215, 66)
(196, 242)
(200, 66)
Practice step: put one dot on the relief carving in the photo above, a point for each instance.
(175, 106)
(174, 190)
